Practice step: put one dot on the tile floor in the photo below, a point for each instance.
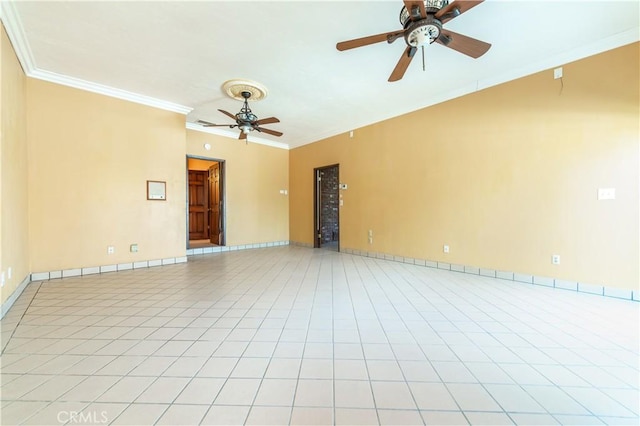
(291, 335)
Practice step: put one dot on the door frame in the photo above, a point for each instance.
(223, 196)
(317, 237)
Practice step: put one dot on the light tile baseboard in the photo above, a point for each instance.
(457, 268)
(14, 296)
(620, 293)
(545, 281)
(506, 275)
(222, 249)
(566, 285)
(91, 270)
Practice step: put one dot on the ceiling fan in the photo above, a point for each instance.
(422, 23)
(246, 120)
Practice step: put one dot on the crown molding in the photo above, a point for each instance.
(234, 135)
(12, 24)
(108, 91)
(16, 34)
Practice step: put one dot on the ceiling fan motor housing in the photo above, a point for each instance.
(423, 32)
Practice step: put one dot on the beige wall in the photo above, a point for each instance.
(14, 228)
(255, 210)
(89, 159)
(506, 177)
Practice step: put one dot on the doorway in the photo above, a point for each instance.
(326, 207)
(205, 202)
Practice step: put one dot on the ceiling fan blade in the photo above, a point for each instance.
(267, 121)
(463, 44)
(411, 4)
(365, 41)
(206, 124)
(456, 8)
(242, 135)
(403, 64)
(228, 114)
(269, 131)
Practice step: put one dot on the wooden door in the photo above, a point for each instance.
(215, 219)
(198, 205)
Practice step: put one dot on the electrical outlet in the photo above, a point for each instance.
(606, 193)
(133, 248)
(445, 248)
(555, 259)
(370, 236)
(9, 273)
(111, 249)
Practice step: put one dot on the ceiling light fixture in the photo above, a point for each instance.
(245, 120)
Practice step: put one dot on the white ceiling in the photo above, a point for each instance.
(182, 52)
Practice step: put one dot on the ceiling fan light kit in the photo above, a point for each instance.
(422, 22)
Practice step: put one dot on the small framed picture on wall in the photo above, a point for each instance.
(156, 190)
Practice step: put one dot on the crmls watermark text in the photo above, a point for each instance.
(84, 417)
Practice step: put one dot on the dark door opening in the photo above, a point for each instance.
(327, 207)
(205, 202)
